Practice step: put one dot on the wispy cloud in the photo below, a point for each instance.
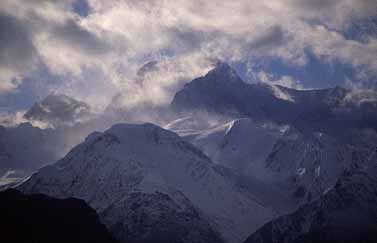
(103, 45)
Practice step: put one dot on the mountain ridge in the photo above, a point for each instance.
(108, 167)
(332, 110)
(39, 218)
(346, 213)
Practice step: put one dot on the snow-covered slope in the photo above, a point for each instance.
(346, 214)
(241, 145)
(244, 143)
(277, 163)
(236, 144)
(147, 165)
(307, 164)
(331, 130)
(58, 109)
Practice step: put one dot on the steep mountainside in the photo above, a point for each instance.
(347, 213)
(243, 146)
(284, 167)
(39, 218)
(152, 168)
(223, 91)
(308, 164)
(327, 110)
(235, 144)
(324, 132)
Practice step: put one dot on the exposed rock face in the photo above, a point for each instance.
(326, 131)
(327, 110)
(309, 163)
(149, 218)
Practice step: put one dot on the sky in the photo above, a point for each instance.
(92, 49)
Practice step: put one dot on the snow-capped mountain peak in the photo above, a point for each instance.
(58, 109)
(109, 168)
(223, 72)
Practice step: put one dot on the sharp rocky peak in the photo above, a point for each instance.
(223, 72)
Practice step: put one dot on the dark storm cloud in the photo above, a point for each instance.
(187, 39)
(273, 36)
(16, 47)
(77, 37)
(115, 38)
(45, 35)
(337, 12)
(358, 7)
(315, 4)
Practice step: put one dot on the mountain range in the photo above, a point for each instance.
(147, 165)
(346, 213)
(232, 161)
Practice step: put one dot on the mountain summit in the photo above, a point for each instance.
(143, 171)
(58, 109)
(223, 92)
(223, 73)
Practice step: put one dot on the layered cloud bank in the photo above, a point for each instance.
(83, 47)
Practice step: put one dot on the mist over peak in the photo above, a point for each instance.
(191, 121)
(150, 66)
(58, 109)
(298, 45)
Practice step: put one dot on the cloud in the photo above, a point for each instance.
(285, 80)
(17, 52)
(98, 46)
(272, 37)
(14, 119)
(72, 34)
(6, 86)
(156, 87)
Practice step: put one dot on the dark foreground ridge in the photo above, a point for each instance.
(43, 219)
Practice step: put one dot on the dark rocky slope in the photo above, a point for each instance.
(42, 219)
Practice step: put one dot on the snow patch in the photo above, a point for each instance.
(301, 172)
(281, 94)
(318, 171)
